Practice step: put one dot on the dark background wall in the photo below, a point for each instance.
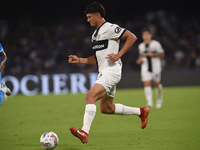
(38, 36)
(78, 82)
(73, 8)
(169, 78)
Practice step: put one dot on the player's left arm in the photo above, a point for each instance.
(3, 59)
(159, 51)
(130, 40)
(150, 54)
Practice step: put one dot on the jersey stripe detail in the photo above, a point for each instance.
(148, 59)
(122, 34)
(95, 36)
(149, 64)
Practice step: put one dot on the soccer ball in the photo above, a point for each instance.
(49, 140)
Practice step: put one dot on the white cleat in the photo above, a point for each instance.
(7, 90)
(159, 103)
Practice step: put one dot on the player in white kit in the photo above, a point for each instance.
(151, 53)
(105, 44)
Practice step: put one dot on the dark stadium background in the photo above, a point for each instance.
(73, 8)
(177, 26)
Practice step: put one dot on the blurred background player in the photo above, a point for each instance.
(151, 53)
(4, 91)
(105, 44)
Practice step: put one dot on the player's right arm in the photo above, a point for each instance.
(89, 60)
(139, 60)
(159, 51)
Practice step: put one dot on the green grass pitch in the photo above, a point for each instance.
(176, 126)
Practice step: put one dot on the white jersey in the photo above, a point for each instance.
(151, 64)
(105, 40)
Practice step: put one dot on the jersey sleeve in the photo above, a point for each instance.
(140, 49)
(114, 31)
(159, 48)
(1, 48)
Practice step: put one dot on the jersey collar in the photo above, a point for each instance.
(101, 25)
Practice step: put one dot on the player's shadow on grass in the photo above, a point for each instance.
(69, 147)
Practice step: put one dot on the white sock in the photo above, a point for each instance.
(148, 95)
(159, 92)
(90, 111)
(126, 110)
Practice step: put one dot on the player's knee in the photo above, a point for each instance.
(147, 83)
(89, 98)
(86, 96)
(156, 84)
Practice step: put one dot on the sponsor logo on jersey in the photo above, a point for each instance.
(99, 45)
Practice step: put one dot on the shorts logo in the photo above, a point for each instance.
(99, 76)
(118, 29)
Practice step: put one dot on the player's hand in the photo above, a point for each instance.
(1, 68)
(150, 54)
(73, 59)
(113, 57)
(139, 61)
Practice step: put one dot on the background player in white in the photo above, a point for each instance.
(3, 89)
(105, 44)
(150, 53)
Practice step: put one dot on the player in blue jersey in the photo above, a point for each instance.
(3, 89)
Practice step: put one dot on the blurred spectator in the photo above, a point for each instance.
(192, 60)
(35, 47)
(178, 55)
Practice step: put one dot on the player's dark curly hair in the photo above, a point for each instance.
(94, 8)
(146, 29)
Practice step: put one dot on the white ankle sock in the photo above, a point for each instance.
(90, 111)
(126, 110)
(159, 92)
(148, 95)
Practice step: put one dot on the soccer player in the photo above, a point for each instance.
(151, 53)
(4, 91)
(105, 44)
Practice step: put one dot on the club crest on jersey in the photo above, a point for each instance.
(98, 37)
(118, 29)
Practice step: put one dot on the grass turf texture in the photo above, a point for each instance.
(174, 126)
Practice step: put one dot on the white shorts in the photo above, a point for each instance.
(148, 76)
(109, 80)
